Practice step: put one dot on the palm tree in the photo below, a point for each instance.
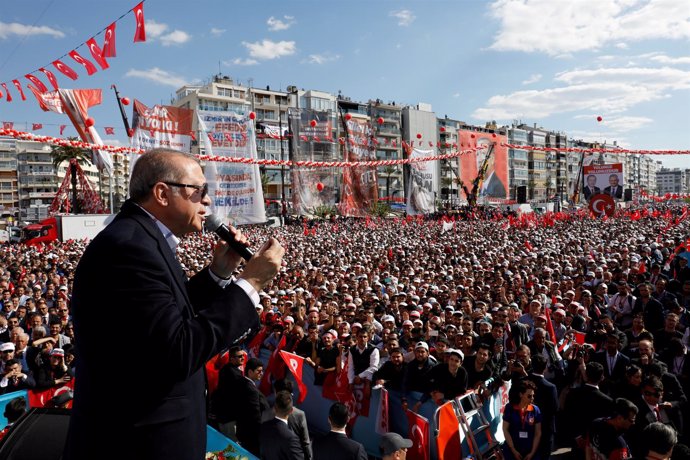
(62, 153)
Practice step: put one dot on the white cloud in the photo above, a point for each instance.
(275, 25)
(625, 124)
(22, 30)
(217, 32)
(240, 61)
(405, 17)
(267, 49)
(159, 31)
(159, 76)
(670, 60)
(621, 46)
(610, 90)
(532, 79)
(176, 37)
(155, 29)
(456, 95)
(557, 27)
(322, 58)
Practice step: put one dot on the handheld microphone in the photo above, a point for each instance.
(213, 224)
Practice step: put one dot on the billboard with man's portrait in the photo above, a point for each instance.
(607, 179)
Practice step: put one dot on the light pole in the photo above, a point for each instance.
(282, 150)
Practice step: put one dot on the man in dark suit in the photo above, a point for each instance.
(277, 440)
(518, 333)
(175, 325)
(297, 420)
(546, 399)
(651, 309)
(614, 189)
(591, 189)
(336, 445)
(613, 362)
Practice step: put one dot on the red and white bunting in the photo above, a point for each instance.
(88, 65)
(65, 69)
(97, 53)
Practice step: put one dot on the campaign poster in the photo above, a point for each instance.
(360, 188)
(423, 181)
(234, 188)
(161, 126)
(495, 181)
(603, 178)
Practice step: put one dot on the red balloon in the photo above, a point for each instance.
(313, 123)
(89, 122)
(252, 115)
(130, 132)
(379, 120)
(319, 187)
(125, 101)
(442, 129)
(472, 136)
(419, 136)
(348, 116)
(493, 134)
(599, 118)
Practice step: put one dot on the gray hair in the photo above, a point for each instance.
(154, 166)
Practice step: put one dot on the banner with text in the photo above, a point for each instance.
(607, 179)
(360, 189)
(423, 181)
(161, 126)
(495, 181)
(234, 188)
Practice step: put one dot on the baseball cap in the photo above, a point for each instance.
(7, 346)
(422, 345)
(57, 352)
(393, 442)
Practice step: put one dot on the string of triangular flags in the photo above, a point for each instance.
(98, 53)
(9, 125)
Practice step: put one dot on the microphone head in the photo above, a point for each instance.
(212, 223)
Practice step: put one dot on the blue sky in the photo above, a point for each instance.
(556, 63)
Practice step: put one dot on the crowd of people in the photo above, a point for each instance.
(587, 318)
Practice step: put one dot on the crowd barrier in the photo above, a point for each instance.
(364, 429)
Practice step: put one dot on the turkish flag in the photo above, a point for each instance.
(109, 130)
(39, 84)
(140, 33)
(448, 439)
(36, 126)
(213, 367)
(255, 344)
(51, 78)
(295, 364)
(9, 96)
(19, 88)
(579, 337)
(39, 398)
(88, 65)
(419, 434)
(109, 42)
(549, 325)
(97, 53)
(273, 368)
(382, 418)
(62, 129)
(65, 69)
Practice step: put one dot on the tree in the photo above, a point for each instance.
(62, 153)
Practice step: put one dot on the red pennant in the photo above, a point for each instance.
(448, 439)
(97, 53)
(36, 126)
(109, 42)
(19, 88)
(62, 129)
(9, 96)
(140, 33)
(51, 78)
(90, 68)
(295, 365)
(65, 69)
(109, 130)
(39, 84)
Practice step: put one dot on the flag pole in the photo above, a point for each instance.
(122, 110)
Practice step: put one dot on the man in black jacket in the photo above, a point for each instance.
(277, 440)
(336, 445)
(546, 399)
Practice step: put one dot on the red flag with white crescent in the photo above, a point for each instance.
(419, 435)
(273, 368)
(62, 129)
(65, 69)
(39, 84)
(51, 78)
(19, 88)
(97, 53)
(36, 126)
(109, 130)
(140, 33)
(9, 96)
(109, 41)
(295, 364)
(39, 398)
(88, 65)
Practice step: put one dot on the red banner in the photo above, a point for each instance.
(360, 189)
(274, 369)
(39, 84)
(109, 41)
(419, 434)
(9, 96)
(39, 398)
(97, 53)
(382, 416)
(19, 88)
(36, 126)
(140, 33)
(448, 439)
(90, 68)
(65, 69)
(295, 364)
(495, 183)
(51, 78)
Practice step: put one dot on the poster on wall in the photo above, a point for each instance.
(360, 188)
(495, 182)
(603, 178)
(234, 188)
(422, 183)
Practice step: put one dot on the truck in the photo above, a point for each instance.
(65, 227)
(10, 234)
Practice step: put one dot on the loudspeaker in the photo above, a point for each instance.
(627, 194)
(522, 194)
(47, 425)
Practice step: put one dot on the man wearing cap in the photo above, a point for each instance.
(446, 380)
(394, 447)
(415, 377)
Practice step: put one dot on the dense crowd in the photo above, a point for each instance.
(587, 318)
